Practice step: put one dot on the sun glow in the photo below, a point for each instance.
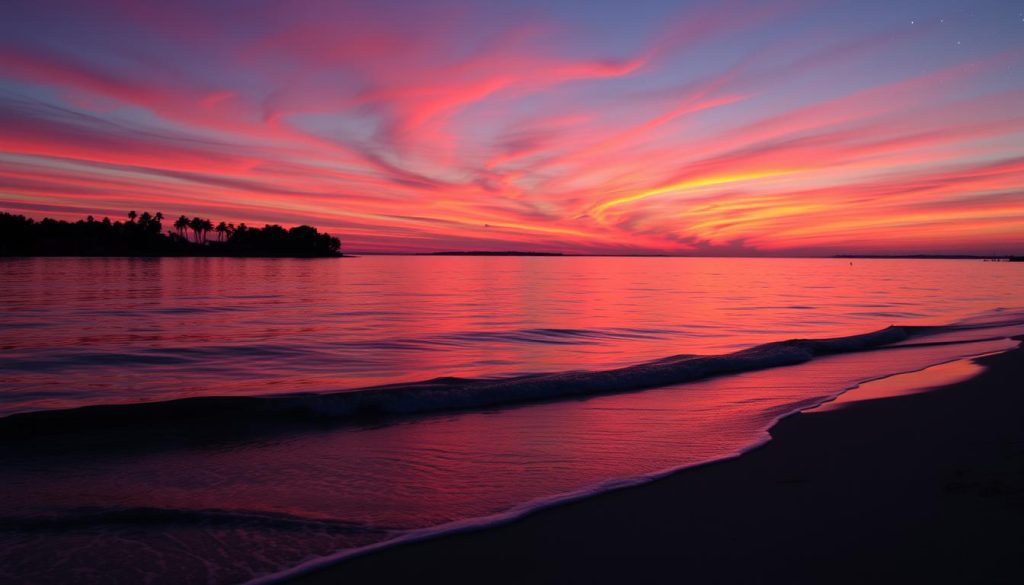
(682, 186)
(730, 129)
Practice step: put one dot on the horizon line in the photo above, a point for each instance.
(850, 256)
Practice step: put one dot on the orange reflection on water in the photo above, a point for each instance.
(118, 330)
(906, 384)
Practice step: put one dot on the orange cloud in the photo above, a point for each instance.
(707, 131)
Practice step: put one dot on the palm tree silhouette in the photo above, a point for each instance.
(142, 235)
(181, 224)
(132, 215)
(197, 226)
(207, 228)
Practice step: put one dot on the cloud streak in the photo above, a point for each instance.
(720, 129)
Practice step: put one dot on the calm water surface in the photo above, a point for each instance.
(81, 331)
(210, 506)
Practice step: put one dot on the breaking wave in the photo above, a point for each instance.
(443, 394)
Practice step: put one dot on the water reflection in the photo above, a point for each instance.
(86, 330)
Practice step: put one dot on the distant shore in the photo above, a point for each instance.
(921, 488)
(486, 253)
(930, 257)
(144, 235)
(1002, 258)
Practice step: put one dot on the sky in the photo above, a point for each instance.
(715, 128)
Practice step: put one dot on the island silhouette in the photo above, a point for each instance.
(143, 235)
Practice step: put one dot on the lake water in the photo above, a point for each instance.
(208, 505)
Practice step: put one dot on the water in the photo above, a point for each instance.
(112, 330)
(226, 505)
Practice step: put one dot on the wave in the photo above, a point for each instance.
(93, 518)
(450, 393)
(201, 355)
(773, 417)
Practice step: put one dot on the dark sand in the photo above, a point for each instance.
(921, 489)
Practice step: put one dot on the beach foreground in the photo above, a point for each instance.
(926, 487)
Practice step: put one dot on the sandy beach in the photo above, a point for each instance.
(927, 487)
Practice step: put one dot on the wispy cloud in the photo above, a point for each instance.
(737, 127)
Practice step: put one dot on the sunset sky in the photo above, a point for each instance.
(587, 126)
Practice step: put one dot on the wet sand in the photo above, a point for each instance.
(924, 487)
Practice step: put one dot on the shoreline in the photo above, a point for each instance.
(935, 492)
(446, 394)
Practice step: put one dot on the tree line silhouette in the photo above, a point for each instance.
(143, 235)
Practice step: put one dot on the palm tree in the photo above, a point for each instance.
(132, 215)
(197, 226)
(222, 230)
(207, 228)
(181, 224)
